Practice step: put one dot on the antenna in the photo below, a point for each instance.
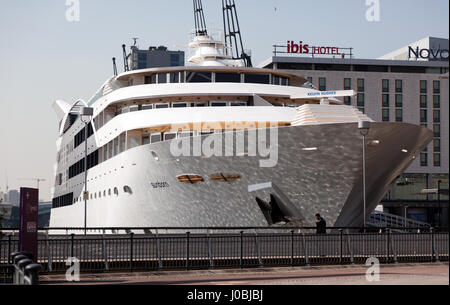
(232, 32)
(135, 39)
(125, 61)
(199, 19)
(114, 66)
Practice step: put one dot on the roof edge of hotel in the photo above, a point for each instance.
(382, 62)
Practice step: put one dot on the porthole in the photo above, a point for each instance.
(116, 191)
(109, 192)
(155, 156)
(190, 179)
(225, 177)
(127, 189)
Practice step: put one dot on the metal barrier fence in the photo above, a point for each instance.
(225, 248)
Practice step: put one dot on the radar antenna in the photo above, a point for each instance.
(199, 19)
(232, 32)
(125, 58)
(114, 66)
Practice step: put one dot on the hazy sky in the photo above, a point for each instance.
(44, 57)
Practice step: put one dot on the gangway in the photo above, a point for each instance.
(382, 219)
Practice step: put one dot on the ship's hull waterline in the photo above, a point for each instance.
(325, 179)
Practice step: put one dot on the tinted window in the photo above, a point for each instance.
(198, 77)
(228, 78)
(257, 78)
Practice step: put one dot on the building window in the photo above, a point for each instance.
(399, 100)
(423, 115)
(436, 101)
(322, 84)
(347, 100)
(423, 159)
(347, 83)
(423, 86)
(361, 85)
(360, 100)
(437, 160)
(399, 115)
(437, 145)
(385, 101)
(423, 101)
(399, 86)
(437, 116)
(437, 130)
(310, 80)
(385, 85)
(385, 115)
(436, 87)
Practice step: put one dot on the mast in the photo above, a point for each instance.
(199, 19)
(232, 32)
(125, 59)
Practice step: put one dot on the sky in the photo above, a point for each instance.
(44, 56)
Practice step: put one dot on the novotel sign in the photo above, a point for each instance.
(440, 54)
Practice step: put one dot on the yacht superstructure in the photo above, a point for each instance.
(221, 144)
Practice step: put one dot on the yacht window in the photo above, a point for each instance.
(161, 106)
(145, 140)
(174, 78)
(190, 179)
(162, 78)
(185, 134)
(238, 104)
(169, 136)
(201, 105)
(198, 77)
(156, 137)
(257, 78)
(275, 80)
(110, 149)
(116, 146)
(105, 153)
(133, 138)
(125, 109)
(148, 80)
(284, 81)
(122, 142)
(218, 104)
(134, 108)
(228, 78)
(146, 107)
(206, 132)
(179, 105)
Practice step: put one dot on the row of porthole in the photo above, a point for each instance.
(222, 177)
(126, 190)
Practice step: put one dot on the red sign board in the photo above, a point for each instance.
(301, 48)
(29, 206)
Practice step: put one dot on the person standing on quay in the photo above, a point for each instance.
(320, 224)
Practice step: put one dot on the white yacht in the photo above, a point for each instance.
(220, 144)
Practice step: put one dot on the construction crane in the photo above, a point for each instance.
(232, 32)
(38, 180)
(199, 19)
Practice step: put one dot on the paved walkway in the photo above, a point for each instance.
(400, 274)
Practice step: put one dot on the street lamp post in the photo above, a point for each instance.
(85, 112)
(364, 127)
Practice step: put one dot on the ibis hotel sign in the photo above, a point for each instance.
(305, 48)
(417, 53)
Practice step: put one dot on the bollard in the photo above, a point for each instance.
(32, 273)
